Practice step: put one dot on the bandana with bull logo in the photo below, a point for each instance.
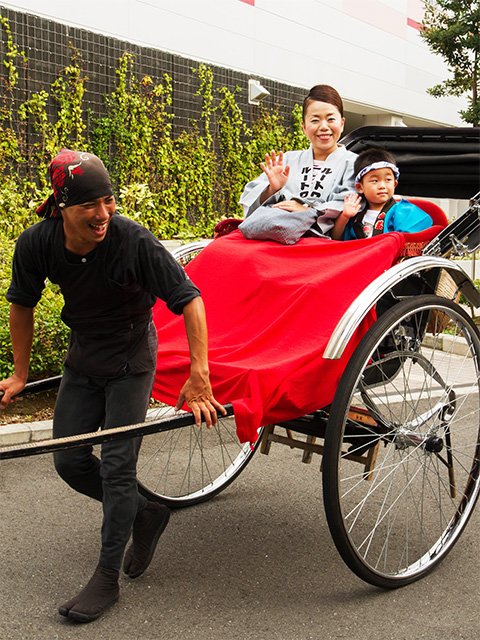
(76, 177)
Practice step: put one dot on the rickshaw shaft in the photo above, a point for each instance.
(107, 435)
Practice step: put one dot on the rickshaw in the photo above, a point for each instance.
(399, 440)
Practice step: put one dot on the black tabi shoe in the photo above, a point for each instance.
(100, 592)
(147, 529)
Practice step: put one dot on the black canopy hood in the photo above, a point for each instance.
(433, 162)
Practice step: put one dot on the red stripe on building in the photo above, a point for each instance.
(413, 23)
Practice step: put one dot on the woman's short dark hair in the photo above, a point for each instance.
(369, 156)
(323, 93)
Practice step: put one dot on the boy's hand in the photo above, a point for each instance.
(276, 173)
(351, 205)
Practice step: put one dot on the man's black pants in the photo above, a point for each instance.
(85, 404)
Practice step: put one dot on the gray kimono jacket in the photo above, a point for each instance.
(324, 198)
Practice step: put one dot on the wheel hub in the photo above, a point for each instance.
(433, 444)
(405, 438)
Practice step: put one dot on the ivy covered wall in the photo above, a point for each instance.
(178, 137)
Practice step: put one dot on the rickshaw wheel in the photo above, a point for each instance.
(186, 466)
(410, 395)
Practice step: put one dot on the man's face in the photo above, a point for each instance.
(86, 224)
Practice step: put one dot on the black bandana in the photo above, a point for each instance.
(76, 177)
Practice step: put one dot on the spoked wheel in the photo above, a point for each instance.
(187, 252)
(185, 466)
(408, 405)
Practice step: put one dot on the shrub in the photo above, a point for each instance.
(51, 335)
(175, 185)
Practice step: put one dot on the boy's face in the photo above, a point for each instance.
(323, 126)
(378, 186)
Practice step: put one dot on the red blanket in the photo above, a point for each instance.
(271, 309)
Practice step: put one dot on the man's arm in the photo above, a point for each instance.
(21, 333)
(197, 392)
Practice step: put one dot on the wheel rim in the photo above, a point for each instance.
(403, 519)
(191, 464)
(187, 252)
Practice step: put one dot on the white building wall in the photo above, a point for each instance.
(370, 50)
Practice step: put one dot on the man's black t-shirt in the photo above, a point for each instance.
(108, 294)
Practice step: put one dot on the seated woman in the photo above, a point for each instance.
(302, 192)
(375, 210)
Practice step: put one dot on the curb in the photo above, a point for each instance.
(25, 432)
(446, 342)
(22, 433)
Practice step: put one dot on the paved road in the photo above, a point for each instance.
(257, 563)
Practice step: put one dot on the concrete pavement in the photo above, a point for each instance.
(255, 563)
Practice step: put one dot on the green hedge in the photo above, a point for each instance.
(51, 335)
(192, 181)
(176, 185)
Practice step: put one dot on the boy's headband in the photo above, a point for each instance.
(378, 165)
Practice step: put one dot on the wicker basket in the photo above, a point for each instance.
(446, 288)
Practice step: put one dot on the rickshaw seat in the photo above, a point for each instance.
(415, 242)
(270, 316)
(439, 219)
(434, 211)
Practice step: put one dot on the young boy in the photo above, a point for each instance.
(375, 210)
